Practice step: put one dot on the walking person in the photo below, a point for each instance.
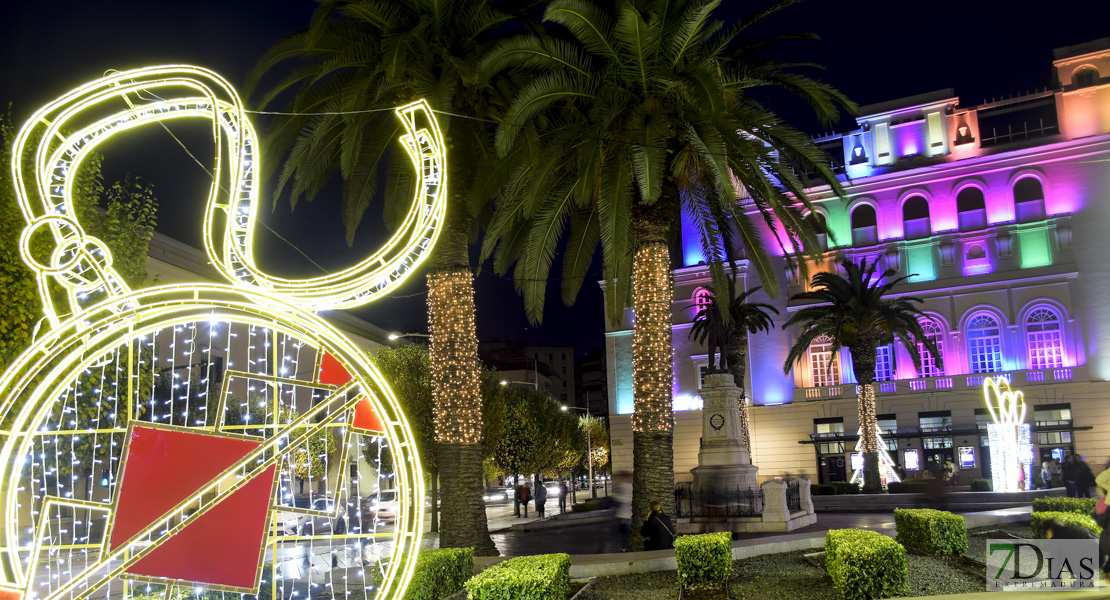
(524, 497)
(1084, 479)
(562, 496)
(541, 499)
(1046, 473)
(1070, 473)
(658, 531)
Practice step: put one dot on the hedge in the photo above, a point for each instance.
(843, 487)
(542, 577)
(866, 564)
(1037, 522)
(982, 485)
(1076, 505)
(703, 560)
(914, 486)
(931, 531)
(440, 573)
(823, 489)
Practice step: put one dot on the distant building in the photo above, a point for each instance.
(592, 383)
(551, 366)
(999, 212)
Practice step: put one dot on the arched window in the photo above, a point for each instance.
(864, 226)
(972, 209)
(915, 218)
(984, 344)
(1044, 338)
(1029, 200)
(824, 369)
(816, 221)
(703, 299)
(884, 363)
(1085, 77)
(929, 366)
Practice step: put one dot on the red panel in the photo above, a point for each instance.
(11, 594)
(366, 418)
(332, 371)
(165, 467)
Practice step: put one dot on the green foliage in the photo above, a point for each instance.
(542, 577)
(1037, 522)
(823, 489)
(982, 485)
(931, 531)
(915, 486)
(866, 564)
(844, 487)
(1084, 506)
(440, 573)
(537, 432)
(408, 370)
(589, 505)
(703, 560)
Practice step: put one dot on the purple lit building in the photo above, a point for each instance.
(1001, 212)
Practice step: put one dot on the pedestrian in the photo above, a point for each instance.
(1101, 515)
(658, 531)
(562, 496)
(1070, 472)
(525, 496)
(1046, 474)
(541, 498)
(949, 472)
(622, 502)
(1084, 480)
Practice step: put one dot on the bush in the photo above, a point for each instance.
(866, 564)
(1037, 522)
(1076, 505)
(914, 486)
(982, 485)
(823, 489)
(703, 560)
(440, 573)
(592, 504)
(843, 487)
(542, 577)
(931, 531)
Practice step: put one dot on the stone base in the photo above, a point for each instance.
(725, 477)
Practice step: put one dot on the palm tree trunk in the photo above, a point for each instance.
(863, 359)
(455, 387)
(738, 366)
(652, 363)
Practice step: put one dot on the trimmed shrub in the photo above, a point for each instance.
(1083, 506)
(703, 560)
(843, 487)
(440, 573)
(823, 489)
(931, 531)
(591, 505)
(542, 577)
(982, 485)
(866, 564)
(1037, 522)
(914, 486)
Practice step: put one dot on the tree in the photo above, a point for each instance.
(743, 318)
(357, 60)
(596, 432)
(855, 313)
(640, 110)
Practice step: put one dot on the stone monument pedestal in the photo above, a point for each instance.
(724, 464)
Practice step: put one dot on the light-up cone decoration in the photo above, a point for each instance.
(1009, 437)
(155, 441)
(887, 474)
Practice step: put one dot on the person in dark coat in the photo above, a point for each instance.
(657, 530)
(1070, 473)
(563, 496)
(1084, 479)
(541, 499)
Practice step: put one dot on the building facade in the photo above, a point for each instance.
(997, 213)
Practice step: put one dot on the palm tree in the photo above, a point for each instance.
(855, 312)
(642, 109)
(743, 318)
(357, 60)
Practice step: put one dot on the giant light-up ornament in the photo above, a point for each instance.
(1009, 436)
(141, 382)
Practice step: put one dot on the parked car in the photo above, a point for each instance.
(382, 506)
(497, 495)
(292, 523)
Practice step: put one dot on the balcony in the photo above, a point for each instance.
(954, 383)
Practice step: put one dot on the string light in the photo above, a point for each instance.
(109, 348)
(652, 292)
(456, 393)
(1008, 436)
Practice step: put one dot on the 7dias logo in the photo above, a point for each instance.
(1042, 565)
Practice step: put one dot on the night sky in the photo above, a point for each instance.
(873, 51)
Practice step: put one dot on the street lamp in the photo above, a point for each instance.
(589, 447)
(396, 336)
(535, 385)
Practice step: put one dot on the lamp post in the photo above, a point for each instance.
(589, 447)
(396, 336)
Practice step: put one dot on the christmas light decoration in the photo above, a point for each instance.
(887, 473)
(652, 291)
(197, 366)
(1009, 436)
(456, 395)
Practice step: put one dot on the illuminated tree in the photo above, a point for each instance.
(638, 111)
(357, 59)
(733, 323)
(854, 312)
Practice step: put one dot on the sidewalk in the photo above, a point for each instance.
(499, 518)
